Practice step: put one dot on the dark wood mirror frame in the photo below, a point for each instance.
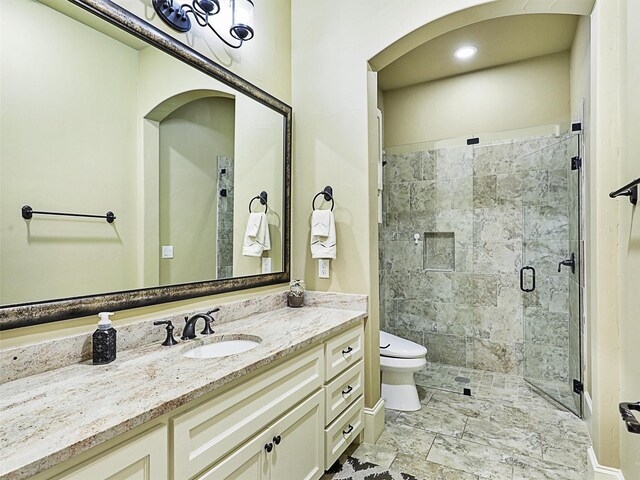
(15, 316)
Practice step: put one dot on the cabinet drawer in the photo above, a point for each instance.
(206, 433)
(339, 435)
(143, 456)
(343, 390)
(342, 351)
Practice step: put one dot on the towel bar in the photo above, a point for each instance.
(28, 213)
(630, 190)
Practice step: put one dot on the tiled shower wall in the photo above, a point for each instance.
(224, 254)
(456, 288)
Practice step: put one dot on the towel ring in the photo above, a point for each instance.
(328, 195)
(263, 200)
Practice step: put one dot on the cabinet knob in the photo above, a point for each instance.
(277, 439)
(347, 390)
(348, 430)
(268, 447)
(347, 350)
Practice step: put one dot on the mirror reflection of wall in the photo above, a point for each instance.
(192, 138)
(121, 126)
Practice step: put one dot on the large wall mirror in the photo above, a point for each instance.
(102, 112)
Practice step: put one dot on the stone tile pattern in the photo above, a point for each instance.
(503, 202)
(505, 430)
(224, 244)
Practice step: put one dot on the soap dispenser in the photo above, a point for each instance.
(104, 340)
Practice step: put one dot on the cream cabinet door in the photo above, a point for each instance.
(143, 457)
(298, 444)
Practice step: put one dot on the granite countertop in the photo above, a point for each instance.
(52, 416)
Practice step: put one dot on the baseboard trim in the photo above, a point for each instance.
(374, 422)
(600, 472)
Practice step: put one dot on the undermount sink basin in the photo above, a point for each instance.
(222, 348)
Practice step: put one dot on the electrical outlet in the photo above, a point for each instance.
(323, 268)
(167, 251)
(266, 265)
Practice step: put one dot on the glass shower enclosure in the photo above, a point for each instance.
(476, 249)
(550, 276)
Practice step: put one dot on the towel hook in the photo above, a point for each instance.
(263, 201)
(327, 193)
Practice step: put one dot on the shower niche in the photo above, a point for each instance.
(439, 251)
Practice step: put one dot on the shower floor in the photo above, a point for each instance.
(485, 384)
(505, 430)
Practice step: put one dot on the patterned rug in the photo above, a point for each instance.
(353, 469)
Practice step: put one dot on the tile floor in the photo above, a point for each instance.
(505, 430)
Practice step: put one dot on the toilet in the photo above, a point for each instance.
(399, 359)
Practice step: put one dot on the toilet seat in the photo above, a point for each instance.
(399, 347)
(402, 363)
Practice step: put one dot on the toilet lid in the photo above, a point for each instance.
(399, 347)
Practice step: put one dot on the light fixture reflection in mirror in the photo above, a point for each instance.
(177, 17)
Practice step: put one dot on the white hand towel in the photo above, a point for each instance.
(324, 246)
(253, 224)
(256, 236)
(320, 223)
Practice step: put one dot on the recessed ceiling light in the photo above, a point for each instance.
(465, 52)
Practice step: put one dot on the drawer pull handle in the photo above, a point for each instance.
(277, 439)
(347, 350)
(348, 430)
(268, 447)
(347, 390)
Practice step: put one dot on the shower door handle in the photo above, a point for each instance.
(533, 286)
(632, 423)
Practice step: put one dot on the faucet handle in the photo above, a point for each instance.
(207, 325)
(217, 309)
(169, 340)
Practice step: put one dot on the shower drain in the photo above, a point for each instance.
(462, 380)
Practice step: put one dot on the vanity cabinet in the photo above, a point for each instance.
(289, 421)
(142, 457)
